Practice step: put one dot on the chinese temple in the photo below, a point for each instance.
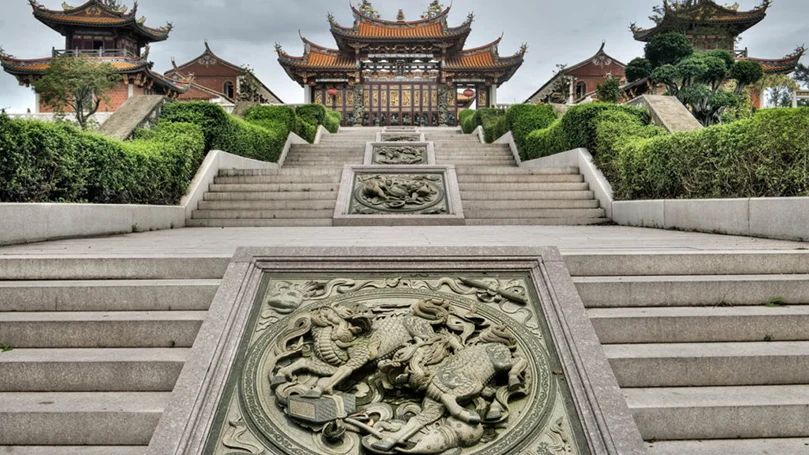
(106, 34)
(709, 25)
(580, 81)
(400, 72)
(213, 78)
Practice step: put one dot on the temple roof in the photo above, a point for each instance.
(683, 17)
(368, 28)
(95, 14)
(486, 58)
(28, 70)
(316, 57)
(207, 55)
(784, 65)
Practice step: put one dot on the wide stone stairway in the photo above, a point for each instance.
(494, 191)
(96, 345)
(710, 350)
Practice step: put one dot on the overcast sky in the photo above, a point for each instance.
(244, 31)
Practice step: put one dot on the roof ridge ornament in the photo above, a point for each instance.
(400, 17)
(367, 9)
(433, 10)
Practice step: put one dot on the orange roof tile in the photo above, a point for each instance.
(377, 31)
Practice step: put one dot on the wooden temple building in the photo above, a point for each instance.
(400, 72)
(576, 83)
(709, 25)
(106, 35)
(215, 79)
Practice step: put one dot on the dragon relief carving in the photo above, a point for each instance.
(399, 193)
(400, 154)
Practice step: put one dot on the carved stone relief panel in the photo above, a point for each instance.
(379, 194)
(400, 154)
(389, 363)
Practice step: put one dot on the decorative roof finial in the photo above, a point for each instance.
(368, 9)
(400, 17)
(433, 10)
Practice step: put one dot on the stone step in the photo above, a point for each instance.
(263, 214)
(91, 370)
(700, 324)
(531, 204)
(517, 178)
(118, 267)
(279, 172)
(449, 149)
(80, 418)
(701, 263)
(523, 187)
(537, 221)
(271, 179)
(119, 329)
(468, 196)
(714, 364)
(462, 170)
(290, 222)
(685, 290)
(782, 446)
(331, 164)
(690, 413)
(73, 450)
(298, 196)
(487, 162)
(282, 204)
(105, 295)
(357, 147)
(534, 213)
(286, 187)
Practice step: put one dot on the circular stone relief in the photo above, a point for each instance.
(399, 193)
(387, 371)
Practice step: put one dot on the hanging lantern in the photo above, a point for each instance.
(469, 93)
(332, 92)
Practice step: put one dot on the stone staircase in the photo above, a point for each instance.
(302, 193)
(494, 191)
(710, 350)
(96, 347)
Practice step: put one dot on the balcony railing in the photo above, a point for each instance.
(94, 53)
(740, 53)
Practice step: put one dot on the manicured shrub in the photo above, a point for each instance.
(210, 117)
(614, 129)
(279, 114)
(765, 156)
(522, 119)
(579, 123)
(333, 120)
(544, 142)
(54, 162)
(493, 122)
(312, 113)
(466, 120)
(306, 130)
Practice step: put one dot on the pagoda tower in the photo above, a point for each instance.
(709, 25)
(105, 34)
(400, 72)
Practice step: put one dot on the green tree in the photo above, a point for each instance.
(609, 91)
(778, 88)
(637, 69)
(77, 83)
(802, 74)
(745, 73)
(668, 49)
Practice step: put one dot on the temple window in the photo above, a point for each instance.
(228, 91)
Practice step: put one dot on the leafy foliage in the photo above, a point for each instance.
(637, 69)
(493, 122)
(332, 122)
(521, 119)
(609, 91)
(466, 119)
(55, 162)
(667, 49)
(77, 84)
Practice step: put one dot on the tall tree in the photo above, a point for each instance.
(609, 91)
(78, 84)
(802, 74)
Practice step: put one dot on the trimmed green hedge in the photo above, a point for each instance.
(765, 156)
(312, 113)
(493, 122)
(333, 120)
(522, 119)
(466, 120)
(577, 128)
(279, 114)
(55, 162)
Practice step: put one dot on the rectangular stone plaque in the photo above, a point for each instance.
(399, 153)
(405, 136)
(398, 195)
(360, 351)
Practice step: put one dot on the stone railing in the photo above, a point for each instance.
(93, 53)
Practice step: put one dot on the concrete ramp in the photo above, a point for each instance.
(133, 113)
(668, 112)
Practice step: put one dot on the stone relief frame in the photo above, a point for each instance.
(608, 427)
(404, 136)
(372, 149)
(454, 209)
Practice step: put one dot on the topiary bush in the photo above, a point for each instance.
(210, 117)
(312, 113)
(614, 129)
(522, 119)
(544, 142)
(280, 114)
(493, 122)
(55, 162)
(466, 120)
(333, 120)
(765, 156)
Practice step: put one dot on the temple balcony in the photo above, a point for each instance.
(740, 53)
(94, 53)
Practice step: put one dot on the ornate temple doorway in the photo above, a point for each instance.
(403, 104)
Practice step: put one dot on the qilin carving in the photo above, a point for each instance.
(400, 154)
(401, 138)
(402, 193)
(431, 361)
